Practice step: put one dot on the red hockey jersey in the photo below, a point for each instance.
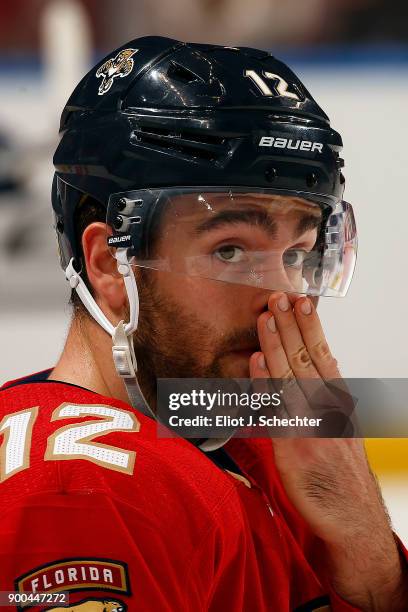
(97, 508)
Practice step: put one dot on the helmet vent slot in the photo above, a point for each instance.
(181, 73)
(190, 144)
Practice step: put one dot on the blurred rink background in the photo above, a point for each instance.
(351, 54)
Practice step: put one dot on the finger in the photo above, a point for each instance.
(335, 399)
(291, 338)
(316, 344)
(258, 367)
(262, 382)
(279, 367)
(271, 345)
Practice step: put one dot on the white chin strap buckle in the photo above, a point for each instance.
(123, 353)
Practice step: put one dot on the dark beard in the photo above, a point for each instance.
(173, 343)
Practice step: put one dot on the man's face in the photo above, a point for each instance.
(223, 258)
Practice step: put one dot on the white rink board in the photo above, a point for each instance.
(31, 343)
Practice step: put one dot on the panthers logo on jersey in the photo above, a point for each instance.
(119, 66)
(92, 605)
(74, 575)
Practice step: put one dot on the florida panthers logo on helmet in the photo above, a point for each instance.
(119, 66)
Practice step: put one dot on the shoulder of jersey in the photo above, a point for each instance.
(125, 458)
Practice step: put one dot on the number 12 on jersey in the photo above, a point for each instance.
(73, 441)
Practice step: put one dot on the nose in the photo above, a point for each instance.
(279, 282)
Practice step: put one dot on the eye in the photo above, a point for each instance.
(230, 253)
(294, 258)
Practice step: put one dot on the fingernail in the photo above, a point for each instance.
(283, 303)
(270, 324)
(261, 362)
(306, 307)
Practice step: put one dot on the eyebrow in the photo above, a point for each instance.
(306, 223)
(256, 218)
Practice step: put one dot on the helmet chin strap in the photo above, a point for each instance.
(123, 351)
(122, 336)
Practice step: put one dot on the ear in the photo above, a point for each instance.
(102, 271)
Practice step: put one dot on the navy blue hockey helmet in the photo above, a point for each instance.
(162, 125)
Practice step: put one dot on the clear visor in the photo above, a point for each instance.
(280, 241)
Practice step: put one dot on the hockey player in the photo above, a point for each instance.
(199, 213)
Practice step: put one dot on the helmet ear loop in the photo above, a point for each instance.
(76, 282)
